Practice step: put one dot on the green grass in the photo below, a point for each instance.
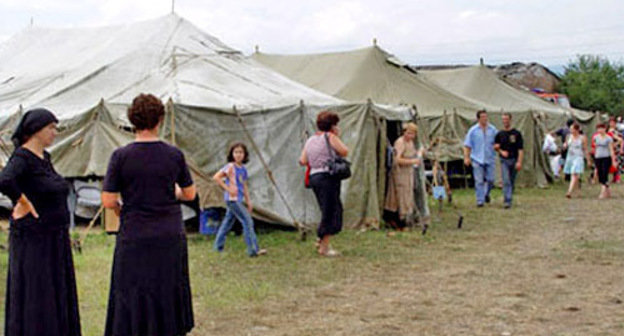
(224, 283)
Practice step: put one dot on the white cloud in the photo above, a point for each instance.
(417, 31)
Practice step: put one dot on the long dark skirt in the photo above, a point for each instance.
(41, 294)
(150, 290)
(327, 192)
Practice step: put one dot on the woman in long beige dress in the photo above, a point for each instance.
(399, 202)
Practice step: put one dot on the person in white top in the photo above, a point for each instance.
(551, 149)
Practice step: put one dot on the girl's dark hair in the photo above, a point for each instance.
(145, 112)
(230, 156)
(601, 125)
(576, 126)
(325, 120)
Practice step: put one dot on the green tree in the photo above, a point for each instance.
(593, 83)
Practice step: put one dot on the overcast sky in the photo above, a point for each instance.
(418, 32)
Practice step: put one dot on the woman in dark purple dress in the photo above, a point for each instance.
(41, 287)
(150, 291)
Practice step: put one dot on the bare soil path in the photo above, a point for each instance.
(549, 266)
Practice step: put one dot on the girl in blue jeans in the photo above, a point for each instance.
(233, 179)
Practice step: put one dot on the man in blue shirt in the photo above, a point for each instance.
(479, 152)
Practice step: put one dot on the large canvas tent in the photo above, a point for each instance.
(367, 73)
(214, 95)
(531, 115)
(373, 73)
(481, 84)
(446, 101)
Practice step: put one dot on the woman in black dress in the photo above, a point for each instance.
(41, 294)
(150, 292)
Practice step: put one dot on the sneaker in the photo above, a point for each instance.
(479, 205)
(507, 205)
(487, 198)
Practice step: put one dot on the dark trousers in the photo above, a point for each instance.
(327, 191)
(603, 165)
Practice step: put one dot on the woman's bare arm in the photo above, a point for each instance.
(338, 145)
(110, 200)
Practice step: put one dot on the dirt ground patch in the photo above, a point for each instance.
(549, 266)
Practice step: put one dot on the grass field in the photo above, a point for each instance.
(548, 266)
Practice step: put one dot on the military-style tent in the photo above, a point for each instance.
(481, 84)
(446, 100)
(376, 74)
(368, 73)
(531, 115)
(214, 95)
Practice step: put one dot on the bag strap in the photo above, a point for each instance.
(329, 148)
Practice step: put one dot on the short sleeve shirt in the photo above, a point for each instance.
(602, 146)
(510, 141)
(145, 174)
(481, 144)
(238, 175)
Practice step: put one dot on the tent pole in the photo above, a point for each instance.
(171, 111)
(304, 136)
(381, 137)
(465, 176)
(268, 171)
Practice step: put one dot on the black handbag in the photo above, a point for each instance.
(338, 166)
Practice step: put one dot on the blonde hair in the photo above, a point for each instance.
(410, 127)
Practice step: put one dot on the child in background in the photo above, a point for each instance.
(233, 179)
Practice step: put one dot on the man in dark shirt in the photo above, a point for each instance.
(510, 147)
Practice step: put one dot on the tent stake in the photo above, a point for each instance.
(77, 244)
(171, 110)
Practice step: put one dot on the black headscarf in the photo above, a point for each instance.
(32, 122)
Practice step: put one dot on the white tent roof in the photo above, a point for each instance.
(70, 70)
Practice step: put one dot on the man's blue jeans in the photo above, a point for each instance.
(483, 174)
(237, 210)
(508, 167)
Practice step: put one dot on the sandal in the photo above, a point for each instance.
(330, 253)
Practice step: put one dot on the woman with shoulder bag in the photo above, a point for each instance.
(319, 153)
